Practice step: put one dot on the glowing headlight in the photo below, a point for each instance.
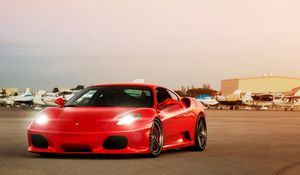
(42, 119)
(127, 119)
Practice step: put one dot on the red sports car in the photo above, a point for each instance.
(119, 119)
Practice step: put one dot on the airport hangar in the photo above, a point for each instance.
(256, 85)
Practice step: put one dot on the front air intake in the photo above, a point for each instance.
(39, 141)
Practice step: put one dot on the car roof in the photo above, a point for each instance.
(128, 84)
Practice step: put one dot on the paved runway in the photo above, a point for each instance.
(239, 142)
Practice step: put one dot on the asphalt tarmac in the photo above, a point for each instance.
(239, 142)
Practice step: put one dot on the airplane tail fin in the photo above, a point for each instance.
(237, 92)
(248, 94)
(28, 91)
(138, 81)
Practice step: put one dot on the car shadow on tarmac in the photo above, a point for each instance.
(172, 152)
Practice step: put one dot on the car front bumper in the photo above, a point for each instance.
(132, 142)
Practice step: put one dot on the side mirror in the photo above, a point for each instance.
(60, 102)
(166, 103)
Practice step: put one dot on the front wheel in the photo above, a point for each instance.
(200, 134)
(156, 138)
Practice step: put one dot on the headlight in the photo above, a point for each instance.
(128, 119)
(42, 119)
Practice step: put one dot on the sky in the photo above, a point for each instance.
(47, 43)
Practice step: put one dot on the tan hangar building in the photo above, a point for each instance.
(265, 84)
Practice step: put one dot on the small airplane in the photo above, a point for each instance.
(288, 102)
(207, 100)
(38, 99)
(2, 100)
(233, 100)
(262, 101)
(43, 99)
(25, 99)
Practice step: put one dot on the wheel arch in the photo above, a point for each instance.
(158, 118)
(201, 115)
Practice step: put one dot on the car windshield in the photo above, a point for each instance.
(113, 96)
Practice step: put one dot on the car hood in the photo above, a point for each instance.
(90, 119)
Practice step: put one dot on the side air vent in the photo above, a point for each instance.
(187, 135)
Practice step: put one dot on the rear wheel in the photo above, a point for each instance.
(156, 138)
(200, 134)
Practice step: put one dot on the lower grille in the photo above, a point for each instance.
(115, 142)
(76, 148)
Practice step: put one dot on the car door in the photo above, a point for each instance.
(187, 117)
(171, 116)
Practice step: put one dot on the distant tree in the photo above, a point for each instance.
(180, 93)
(199, 91)
(183, 89)
(3, 92)
(55, 90)
(194, 92)
(206, 86)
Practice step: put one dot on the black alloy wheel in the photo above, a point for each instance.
(156, 138)
(200, 134)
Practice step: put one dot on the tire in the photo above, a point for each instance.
(200, 134)
(156, 138)
(236, 107)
